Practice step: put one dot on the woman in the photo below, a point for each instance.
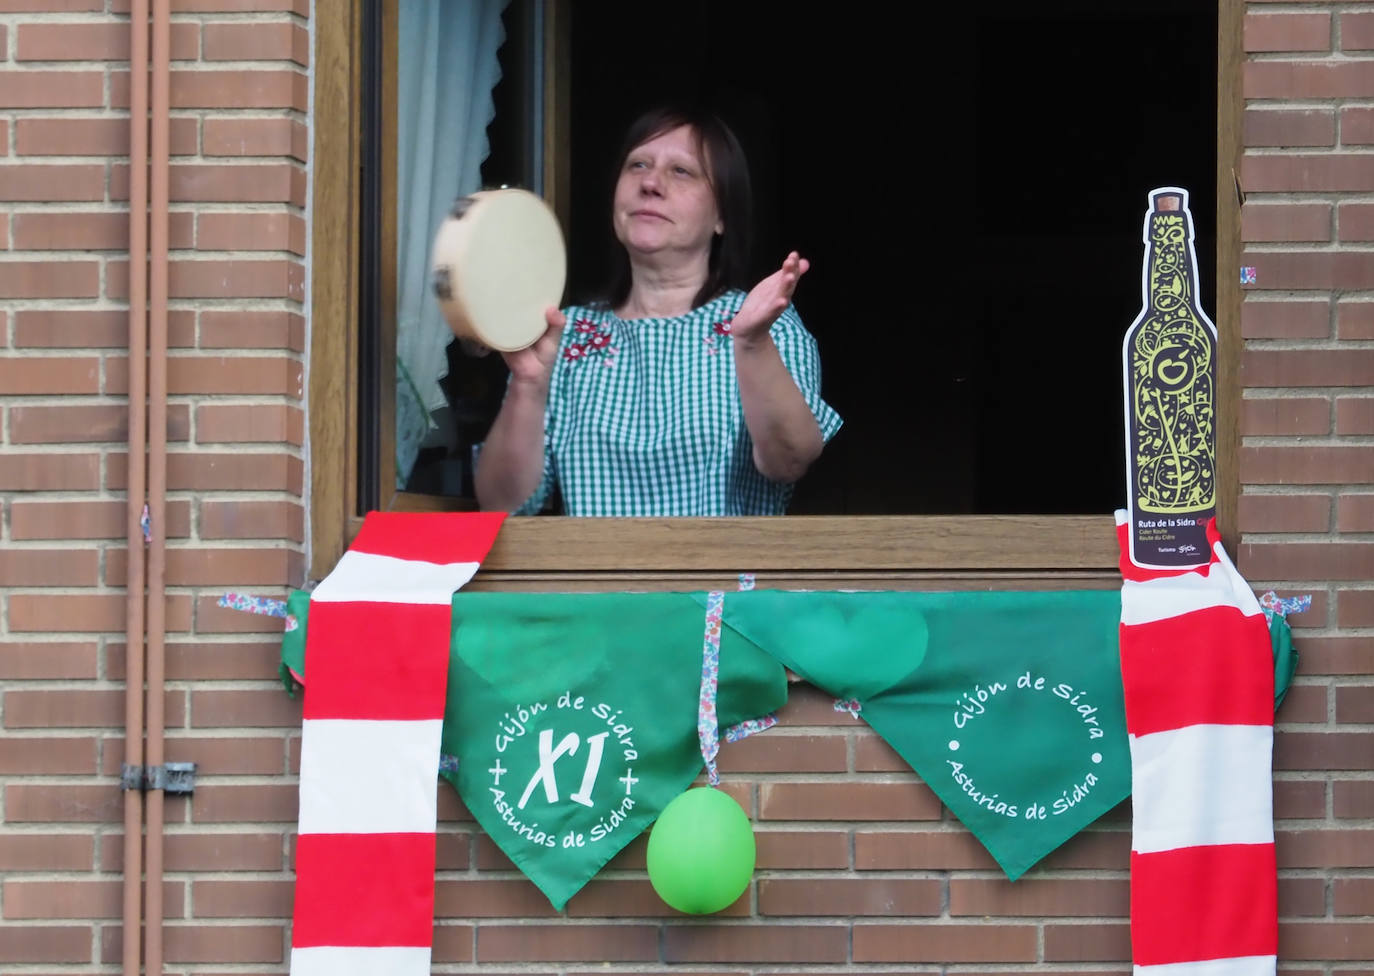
(678, 394)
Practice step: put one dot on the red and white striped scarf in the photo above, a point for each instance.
(376, 653)
(1198, 672)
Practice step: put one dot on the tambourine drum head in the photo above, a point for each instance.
(498, 266)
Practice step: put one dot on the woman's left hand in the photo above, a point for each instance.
(766, 301)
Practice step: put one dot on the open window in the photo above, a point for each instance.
(969, 185)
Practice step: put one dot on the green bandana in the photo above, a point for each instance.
(1008, 705)
(574, 719)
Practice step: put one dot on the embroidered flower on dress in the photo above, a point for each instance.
(584, 325)
(723, 326)
(575, 351)
(599, 340)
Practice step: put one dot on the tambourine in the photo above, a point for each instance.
(499, 262)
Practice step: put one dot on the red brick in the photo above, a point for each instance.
(224, 89)
(1288, 32)
(1096, 850)
(1335, 655)
(93, 137)
(1285, 415)
(567, 943)
(55, 708)
(252, 804)
(1357, 32)
(47, 660)
(1325, 940)
(749, 943)
(1089, 897)
(1087, 943)
(49, 472)
(45, 182)
(252, 329)
(205, 660)
(453, 943)
(1324, 750)
(919, 850)
(1357, 126)
(1355, 415)
(1352, 896)
(1306, 561)
(267, 708)
(254, 566)
(1284, 513)
(205, 471)
(251, 520)
(1302, 896)
(1312, 270)
(1284, 127)
(1355, 513)
(255, 137)
(1286, 173)
(1356, 222)
(86, 520)
(71, 898)
(1306, 465)
(93, 42)
(1299, 799)
(798, 850)
(49, 279)
(48, 756)
(229, 279)
(214, 619)
(213, 755)
(490, 898)
(783, 753)
(97, 423)
(1304, 704)
(873, 755)
(845, 896)
(46, 852)
(1285, 320)
(301, 8)
(972, 942)
(1307, 79)
(224, 852)
(90, 328)
(45, 943)
(46, 375)
(1355, 703)
(848, 801)
(251, 232)
(1286, 222)
(37, 88)
(257, 41)
(242, 899)
(50, 6)
(85, 612)
(1352, 799)
(48, 567)
(88, 231)
(50, 803)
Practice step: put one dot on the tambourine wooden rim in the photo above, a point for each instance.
(499, 262)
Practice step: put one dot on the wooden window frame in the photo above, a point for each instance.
(916, 551)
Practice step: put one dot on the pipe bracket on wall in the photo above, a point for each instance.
(176, 778)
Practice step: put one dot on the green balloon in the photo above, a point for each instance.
(701, 852)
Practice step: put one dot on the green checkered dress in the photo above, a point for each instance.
(644, 417)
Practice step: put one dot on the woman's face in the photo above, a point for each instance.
(664, 201)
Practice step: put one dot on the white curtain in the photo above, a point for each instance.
(447, 68)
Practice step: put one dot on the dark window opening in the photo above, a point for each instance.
(970, 188)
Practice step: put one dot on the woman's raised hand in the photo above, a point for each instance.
(534, 365)
(766, 301)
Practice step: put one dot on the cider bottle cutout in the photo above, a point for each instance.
(1169, 359)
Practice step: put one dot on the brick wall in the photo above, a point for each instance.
(235, 430)
(859, 867)
(1307, 460)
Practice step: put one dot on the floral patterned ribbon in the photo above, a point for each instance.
(708, 722)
